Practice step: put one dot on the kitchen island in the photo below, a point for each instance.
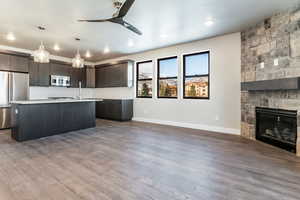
(41, 118)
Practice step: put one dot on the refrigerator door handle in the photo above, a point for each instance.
(10, 87)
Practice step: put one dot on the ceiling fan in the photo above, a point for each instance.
(119, 15)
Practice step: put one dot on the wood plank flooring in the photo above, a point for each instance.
(140, 161)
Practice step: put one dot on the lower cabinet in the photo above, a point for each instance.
(115, 109)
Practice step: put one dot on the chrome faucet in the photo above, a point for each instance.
(79, 89)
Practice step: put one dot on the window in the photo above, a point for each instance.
(196, 76)
(167, 77)
(144, 79)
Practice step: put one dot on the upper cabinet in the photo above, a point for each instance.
(78, 75)
(4, 62)
(14, 63)
(116, 75)
(60, 69)
(19, 63)
(90, 77)
(39, 74)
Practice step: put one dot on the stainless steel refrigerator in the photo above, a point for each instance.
(13, 87)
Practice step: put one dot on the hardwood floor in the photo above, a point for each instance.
(142, 161)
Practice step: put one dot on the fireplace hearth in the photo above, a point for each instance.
(277, 127)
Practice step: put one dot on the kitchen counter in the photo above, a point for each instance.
(5, 106)
(42, 118)
(48, 101)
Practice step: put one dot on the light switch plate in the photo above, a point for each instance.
(262, 65)
(276, 62)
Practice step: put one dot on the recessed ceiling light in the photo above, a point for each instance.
(106, 50)
(10, 37)
(130, 43)
(88, 54)
(209, 22)
(56, 47)
(163, 35)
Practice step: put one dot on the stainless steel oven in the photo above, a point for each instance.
(60, 81)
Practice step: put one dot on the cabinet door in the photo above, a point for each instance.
(112, 76)
(60, 69)
(44, 74)
(119, 75)
(75, 77)
(4, 62)
(100, 78)
(19, 63)
(33, 73)
(90, 77)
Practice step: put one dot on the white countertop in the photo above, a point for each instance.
(45, 101)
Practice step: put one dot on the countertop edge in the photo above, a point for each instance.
(55, 101)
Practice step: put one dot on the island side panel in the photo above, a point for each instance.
(34, 121)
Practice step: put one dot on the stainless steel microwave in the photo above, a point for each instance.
(60, 81)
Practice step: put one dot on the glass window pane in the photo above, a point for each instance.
(196, 87)
(144, 88)
(168, 88)
(168, 68)
(145, 70)
(196, 64)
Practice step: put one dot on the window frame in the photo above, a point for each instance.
(196, 76)
(145, 79)
(166, 78)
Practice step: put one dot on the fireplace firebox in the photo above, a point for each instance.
(277, 127)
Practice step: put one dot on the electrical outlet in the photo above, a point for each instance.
(217, 118)
(262, 65)
(276, 62)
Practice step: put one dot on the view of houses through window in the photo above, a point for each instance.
(144, 79)
(167, 77)
(196, 75)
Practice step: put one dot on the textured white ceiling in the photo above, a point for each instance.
(179, 20)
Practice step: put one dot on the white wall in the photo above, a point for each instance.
(46, 92)
(221, 113)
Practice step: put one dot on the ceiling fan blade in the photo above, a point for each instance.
(132, 28)
(96, 20)
(125, 8)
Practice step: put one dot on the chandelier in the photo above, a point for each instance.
(77, 61)
(41, 55)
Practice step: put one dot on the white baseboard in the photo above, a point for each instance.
(191, 125)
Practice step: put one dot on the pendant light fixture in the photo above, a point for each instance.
(77, 61)
(41, 55)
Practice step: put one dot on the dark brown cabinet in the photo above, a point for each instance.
(39, 74)
(19, 63)
(44, 74)
(14, 63)
(117, 75)
(90, 77)
(60, 69)
(115, 109)
(33, 73)
(77, 75)
(4, 62)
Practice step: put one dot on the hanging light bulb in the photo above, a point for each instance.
(77, 61)
(41, 55)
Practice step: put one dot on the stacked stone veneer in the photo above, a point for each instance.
(275, 38)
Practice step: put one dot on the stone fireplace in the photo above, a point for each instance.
(270, 59)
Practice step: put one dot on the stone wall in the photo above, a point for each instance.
(275, 38)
